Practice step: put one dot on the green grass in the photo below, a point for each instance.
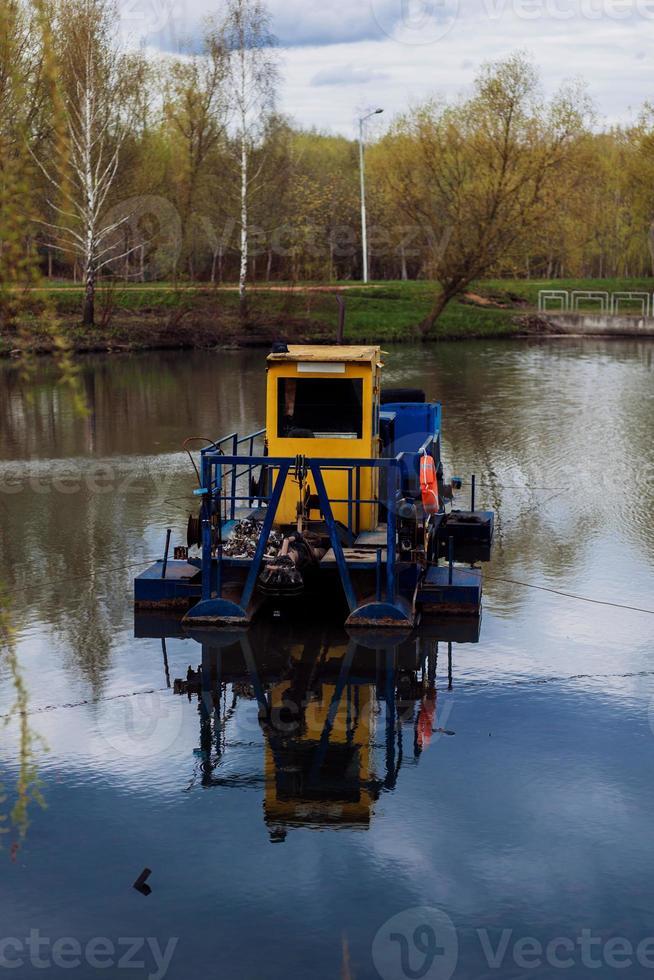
(529, 289)
(141, 315)
(392, 311)
(384, 312)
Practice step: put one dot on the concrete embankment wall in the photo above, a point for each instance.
(600, 325)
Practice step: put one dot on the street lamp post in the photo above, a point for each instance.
(362, 169)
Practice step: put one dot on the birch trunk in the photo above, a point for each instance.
(243, 276)
(88, 315)
(90, 209)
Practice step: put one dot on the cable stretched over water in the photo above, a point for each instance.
(503, 486)
(78, 578)
(490, 578)
(571, 595)
(80, 704)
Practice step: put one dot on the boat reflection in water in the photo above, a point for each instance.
(335, 711)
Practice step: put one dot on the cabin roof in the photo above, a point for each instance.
(314, 352)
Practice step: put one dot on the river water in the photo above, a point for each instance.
(495, 822)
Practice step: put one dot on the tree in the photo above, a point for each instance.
(195, 111)
(98, 88)
(23, 93)
(25, 121)
(475, 175)
(251, 83)
(640, 176)
(25, 81)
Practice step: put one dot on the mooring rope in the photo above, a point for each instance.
(80, 577)
(80, 704)
(570, 595)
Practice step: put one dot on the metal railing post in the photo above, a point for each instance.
(390, 537)
(232, 510)
(349, 507)
(166, 550)
(205, 479)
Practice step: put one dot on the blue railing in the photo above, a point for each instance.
(354, 500)
(212, 477)
(234, 475)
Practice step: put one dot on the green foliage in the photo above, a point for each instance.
(28, 83)
(501, 183)
(28, 787)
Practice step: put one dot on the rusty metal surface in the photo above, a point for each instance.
(451, 608)
(179, 603)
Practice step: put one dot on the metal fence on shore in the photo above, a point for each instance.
(595, 300)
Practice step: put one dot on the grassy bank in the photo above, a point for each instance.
(164, 315)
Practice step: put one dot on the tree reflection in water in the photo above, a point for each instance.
(28, 789)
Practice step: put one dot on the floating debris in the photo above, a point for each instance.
(141, 882)
(243, 541)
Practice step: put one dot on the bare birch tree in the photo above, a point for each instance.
(251, 89)
(98, 84)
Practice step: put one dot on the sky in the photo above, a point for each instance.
(341, 57)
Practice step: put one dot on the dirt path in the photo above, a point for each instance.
(200, 288)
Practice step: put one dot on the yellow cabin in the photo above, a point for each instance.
(324, 402)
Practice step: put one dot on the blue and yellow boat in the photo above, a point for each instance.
(340, 500)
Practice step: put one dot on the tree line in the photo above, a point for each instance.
(183, 168)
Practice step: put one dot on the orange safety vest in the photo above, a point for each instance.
(429, 484)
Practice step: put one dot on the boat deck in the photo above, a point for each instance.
(355, 557)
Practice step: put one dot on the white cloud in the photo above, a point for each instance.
(348, 75)
(357, 54)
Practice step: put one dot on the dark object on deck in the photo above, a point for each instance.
(450, 590)
(279, 347)
(141, 882)
(283, 576)
(405, 396)
(194, 531)
(243, 540)
(471, 533)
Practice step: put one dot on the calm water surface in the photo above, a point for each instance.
(529, 815)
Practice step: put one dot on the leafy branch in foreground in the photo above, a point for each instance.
(28, 787)
(28, 84)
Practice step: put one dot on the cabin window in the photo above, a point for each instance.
(320, 408)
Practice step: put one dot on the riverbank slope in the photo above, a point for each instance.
(163, 315)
